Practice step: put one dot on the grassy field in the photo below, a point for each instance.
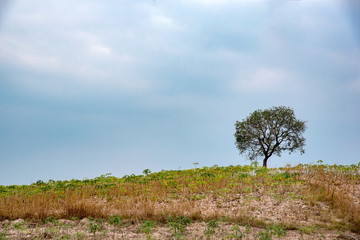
(235, 202)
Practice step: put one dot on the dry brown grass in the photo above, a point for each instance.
(295, 197)
(338, 186)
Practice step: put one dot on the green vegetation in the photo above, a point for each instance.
(271, 231)
(210, 227)
(324, 194)
(238, 234)
(3, 235)
(96, 225)
(147, 228)
(177, 225)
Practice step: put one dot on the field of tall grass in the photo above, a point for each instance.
(295, 198)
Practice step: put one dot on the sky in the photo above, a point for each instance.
(95, 87)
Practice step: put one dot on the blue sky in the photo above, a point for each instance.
(95, 87)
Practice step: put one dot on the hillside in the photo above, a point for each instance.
(234, 202)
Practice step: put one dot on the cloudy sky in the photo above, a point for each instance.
(94, 87)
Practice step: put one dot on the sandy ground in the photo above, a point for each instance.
(67, 229)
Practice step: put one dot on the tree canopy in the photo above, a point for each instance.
(270, 131)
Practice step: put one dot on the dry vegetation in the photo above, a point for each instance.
(302, 202)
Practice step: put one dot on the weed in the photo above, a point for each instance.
(146, 227)
(51, 219)
(210, 227)
(238, 234)
(49, 233)
(19, 225)
(177, 225)
(95, 225)
(80, 235)
(276, 230)
(306, 230)
(271, 230)
(3, 236)
(115, 220)
(264, 235)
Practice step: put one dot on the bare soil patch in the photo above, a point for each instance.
(79, 229)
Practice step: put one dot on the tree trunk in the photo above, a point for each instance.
(265, 161)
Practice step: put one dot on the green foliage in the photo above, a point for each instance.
(177, 225)
(238, 234)
(3, 236)
(95, 225)
(51, 219)
(174, 181)
(276, 230)
(19, 225)
(80, 235)
(307, 230)
(147, 226)
(271, 230)
(264, 235)
(115, 220)
(270, 131)
(210, 227)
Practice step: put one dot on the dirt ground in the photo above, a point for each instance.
(80, 229)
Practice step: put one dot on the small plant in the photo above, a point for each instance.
(264, 235)
(19, 225)
(80, 235)
(276, 230)
(115, 220)
(50, 219)
(177, 225)
(147, 171)
(3, 236)
(146, 227)
(95, 225)
(238, 234)
(271, 230)
(307, 230)
(210, 227)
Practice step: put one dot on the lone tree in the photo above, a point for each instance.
(270, 131)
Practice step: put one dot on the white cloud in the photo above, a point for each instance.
(267, 79)
(99, 49)
(14, 50)
(162, 20)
